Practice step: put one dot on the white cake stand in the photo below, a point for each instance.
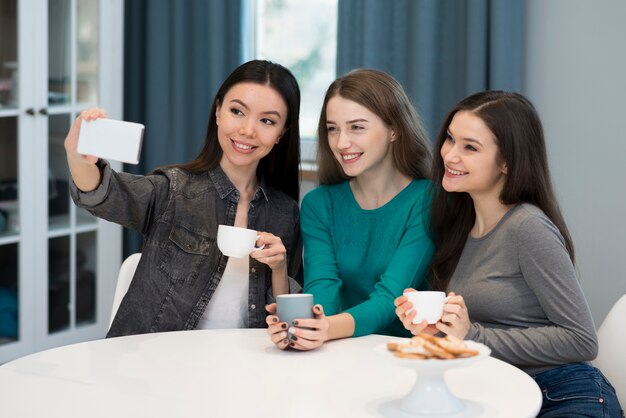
(431, 395)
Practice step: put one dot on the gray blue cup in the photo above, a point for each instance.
(294, 306)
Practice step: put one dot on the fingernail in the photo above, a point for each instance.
(274, 319)
(317, 308)
(292, 345)
(286, 341)
(283, 326)
(295, 322)
(291, 330)
(283, 334)
(294, 338)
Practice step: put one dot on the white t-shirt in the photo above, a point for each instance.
(228, 308)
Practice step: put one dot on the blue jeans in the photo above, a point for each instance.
(577, 390)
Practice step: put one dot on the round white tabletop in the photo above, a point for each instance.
(239, 373)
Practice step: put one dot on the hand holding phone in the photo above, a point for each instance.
(111, 139)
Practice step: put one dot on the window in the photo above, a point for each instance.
(302, 36)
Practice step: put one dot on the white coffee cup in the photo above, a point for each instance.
(238, 242)
(427, 305)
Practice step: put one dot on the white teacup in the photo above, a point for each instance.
(427, 305)
(238, 242)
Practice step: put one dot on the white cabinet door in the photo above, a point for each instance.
(58, 264)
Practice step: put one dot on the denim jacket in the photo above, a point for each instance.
(178, 214)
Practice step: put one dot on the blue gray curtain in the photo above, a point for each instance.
(177, 53)
(440, 50)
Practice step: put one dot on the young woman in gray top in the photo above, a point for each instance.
(505, 255)
(247, 174)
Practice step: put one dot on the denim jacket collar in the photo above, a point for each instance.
(225, 187)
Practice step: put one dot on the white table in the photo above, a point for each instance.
(239, 373)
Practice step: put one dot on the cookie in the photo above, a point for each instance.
(457, 347)
(437, 351)
(411, 351)
(426, 346)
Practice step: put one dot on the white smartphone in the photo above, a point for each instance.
(111, 139)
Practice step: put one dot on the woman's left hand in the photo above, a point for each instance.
(274, 254)
(455, 319)
(309, 334)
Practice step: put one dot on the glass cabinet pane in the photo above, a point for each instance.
(9, 318)
(85, 218)
(8, 54)
(9, 209)
(51, 68)
(87, 49)
(59, 288)
(58, 173)
(86, 278)
(59, 52)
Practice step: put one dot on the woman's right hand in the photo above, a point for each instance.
(275, 329)
(406, 313)
(83, 168)
(71, 140)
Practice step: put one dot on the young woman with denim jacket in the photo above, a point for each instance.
(365, 228)
(505, 255)
(247, 175)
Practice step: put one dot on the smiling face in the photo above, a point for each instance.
(472, 158)
(250, 121)
(358, 138)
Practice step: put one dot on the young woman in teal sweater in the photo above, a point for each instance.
(365, 228)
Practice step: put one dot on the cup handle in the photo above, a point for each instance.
(258, 248)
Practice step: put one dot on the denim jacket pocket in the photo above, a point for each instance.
(184, 254)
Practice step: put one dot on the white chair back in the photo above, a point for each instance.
(612, 339)
(125, 276)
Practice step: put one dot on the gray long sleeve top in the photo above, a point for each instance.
(523, 295)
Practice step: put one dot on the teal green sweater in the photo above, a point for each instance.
(358, 261)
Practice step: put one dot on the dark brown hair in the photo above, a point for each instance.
(281, 167)
(383, 95)
(517, 128)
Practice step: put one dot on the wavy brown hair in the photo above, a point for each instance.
(383, 95)
(517, 128)
(281, 167)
